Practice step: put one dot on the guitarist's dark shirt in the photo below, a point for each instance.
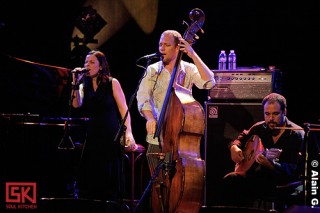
(291, 142)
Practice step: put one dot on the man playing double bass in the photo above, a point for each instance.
(153, 87)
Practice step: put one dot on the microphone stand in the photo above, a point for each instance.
(305, 181)
(307, 172)
(165, 162)
(148, 188)
(169, 169)
(122, 129)
(66, 141)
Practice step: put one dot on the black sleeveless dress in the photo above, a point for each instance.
(99, 168)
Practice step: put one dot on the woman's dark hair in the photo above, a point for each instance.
(104, 74)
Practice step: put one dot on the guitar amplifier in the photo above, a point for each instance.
(224, 121)
(245, 84)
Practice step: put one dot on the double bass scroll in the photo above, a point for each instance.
(180, 127)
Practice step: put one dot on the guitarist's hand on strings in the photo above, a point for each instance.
(273, 154)
(264, 161)
(236, 154)
(269, 158)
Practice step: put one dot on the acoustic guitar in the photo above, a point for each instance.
(252, 148)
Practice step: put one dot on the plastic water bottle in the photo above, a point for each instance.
(222, 60)
(232, 60)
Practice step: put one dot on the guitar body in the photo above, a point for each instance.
(252, 148)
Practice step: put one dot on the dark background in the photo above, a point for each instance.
(284, 34)
(278, 33)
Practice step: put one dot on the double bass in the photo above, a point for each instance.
(179, 186)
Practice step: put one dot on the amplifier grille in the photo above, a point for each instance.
(244, 85)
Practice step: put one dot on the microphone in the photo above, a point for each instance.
(82, 70)
(153, 55)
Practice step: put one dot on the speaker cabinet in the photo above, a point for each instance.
(224, 121)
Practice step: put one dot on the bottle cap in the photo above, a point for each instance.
(272, 67)
(232, 51)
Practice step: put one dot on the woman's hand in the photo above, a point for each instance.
(130, 142)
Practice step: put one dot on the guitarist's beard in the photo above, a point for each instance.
(271, 128)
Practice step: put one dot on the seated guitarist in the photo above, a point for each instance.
(258, 172)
